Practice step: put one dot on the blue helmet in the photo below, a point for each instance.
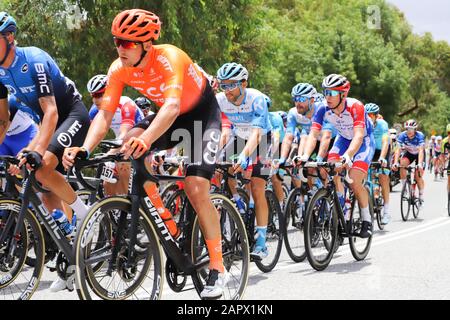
(232, 71)
(7, 23)
(372, 108)
(304, 89)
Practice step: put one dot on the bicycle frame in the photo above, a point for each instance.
(331, 189)
(44, 216)
(149, 200)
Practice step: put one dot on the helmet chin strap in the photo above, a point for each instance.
(143, 54)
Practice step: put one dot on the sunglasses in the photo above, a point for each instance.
(300, 99)
(331, 93)
(229, 86)
(97, 95)
(126, 44)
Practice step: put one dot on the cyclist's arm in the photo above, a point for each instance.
(4, 118)
(311, 142)
(324, 143)
(225, 136)
(421, 154)
(286, 146)
(48, 126)
(253, 142)
(98, 129)
(302, 144)
(384, 147)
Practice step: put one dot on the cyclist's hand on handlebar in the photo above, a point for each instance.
(383, 162)
(135, 147)
(346, 160)
(299, 161)
(395, 166)
(70, 154)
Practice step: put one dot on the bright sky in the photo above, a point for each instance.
(427, 16)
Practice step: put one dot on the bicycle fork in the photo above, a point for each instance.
(18, 228)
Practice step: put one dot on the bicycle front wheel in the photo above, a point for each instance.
(321, 223)
(405, 198)
(16, 281)
(235, 249)
(294, 238)
(274, 234)
(100, 275)
(359, 247)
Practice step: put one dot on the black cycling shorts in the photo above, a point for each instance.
(198, 131)
(411, 157)
(70, 131)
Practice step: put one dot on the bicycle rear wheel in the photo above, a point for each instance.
(18, 282)
(405, 201)
(294, 238)
(416, 203)
(235, 249)
(378, 207)
(321, 223)
(115, 280)
(274, 234)
(359, 247)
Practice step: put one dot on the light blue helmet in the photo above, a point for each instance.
(304, 89)
(232, 71)
(7, 23)
(372, 108)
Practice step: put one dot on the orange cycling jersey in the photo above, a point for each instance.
(169, 74)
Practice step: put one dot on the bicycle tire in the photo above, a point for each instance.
(10, 274)
(318, 204)
(296, 252)
(353, 240)
(405, 201)
(235, 248)
(275, 231)
(87, 285)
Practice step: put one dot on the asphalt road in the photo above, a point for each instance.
(408, 260)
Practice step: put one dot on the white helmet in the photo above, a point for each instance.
(232, 71)
(97, 83)
(438, 138)
(411, 124)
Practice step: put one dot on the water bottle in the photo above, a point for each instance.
(63, 223)
(170, 223)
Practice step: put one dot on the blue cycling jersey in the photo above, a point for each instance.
(380, 130)
(252, 113)
(411, 145)
(277, 124)
(33, 75)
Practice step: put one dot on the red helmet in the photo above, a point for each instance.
(136, 25)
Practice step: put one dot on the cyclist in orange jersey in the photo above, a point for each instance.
(167, 76)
